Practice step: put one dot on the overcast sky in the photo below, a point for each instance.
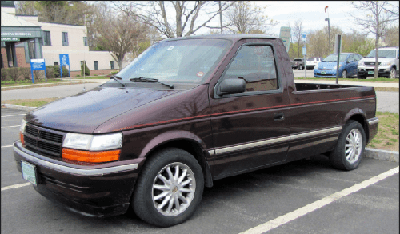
(312, 14)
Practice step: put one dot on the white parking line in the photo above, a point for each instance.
(11, 115)
(15, 186)
(6, 146)
(265, 227)
(12, 126)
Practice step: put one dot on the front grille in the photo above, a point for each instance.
(43, 141)
(371, 63)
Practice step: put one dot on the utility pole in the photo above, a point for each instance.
(220, 15)
(329, 30)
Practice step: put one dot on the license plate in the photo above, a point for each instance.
(29, 172)
(370, 72)
(323, 72)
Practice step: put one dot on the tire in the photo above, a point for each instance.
(392, 74)
(349, 150)
(158, 181)
(344, 74)
(361, 77)
(300, 67)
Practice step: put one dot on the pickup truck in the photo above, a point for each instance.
(298, 63)
(188, 111)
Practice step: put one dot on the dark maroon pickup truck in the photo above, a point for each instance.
(186, 112)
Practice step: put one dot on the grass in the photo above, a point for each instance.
(392, 89)
(379, 79)
(92, 77)
(27, 82)
(43, 85)
(30, 102)
(388, 132)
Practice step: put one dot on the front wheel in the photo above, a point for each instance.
(392, 74)
(344, 74)
(350, 147)
(169, 189)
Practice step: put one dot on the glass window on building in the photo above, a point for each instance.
(111, 64)
(65, 39)
(46, 38)
(55, 63)
(96, 65)
(85, 43)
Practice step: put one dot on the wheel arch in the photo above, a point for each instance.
(359, 116)
(181, 140)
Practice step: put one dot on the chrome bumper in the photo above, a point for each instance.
(373, 121)
(36, 159)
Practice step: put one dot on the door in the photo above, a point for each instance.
(96, 65)
(249, 128)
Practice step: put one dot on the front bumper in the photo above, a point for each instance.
(326, 73)
(368, 71)
(97, 190)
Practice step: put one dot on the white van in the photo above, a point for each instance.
(388, 63)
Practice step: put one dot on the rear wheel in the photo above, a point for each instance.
(169, 189)
(350, 147)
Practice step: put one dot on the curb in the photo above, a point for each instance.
(379, 154)
(18, 107)
(383, 155)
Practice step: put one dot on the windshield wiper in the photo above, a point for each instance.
(151, 80)
(116, 79)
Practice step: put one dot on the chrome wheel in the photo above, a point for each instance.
(173, 189)
(344, 74)
(392, 73)
(354, 143)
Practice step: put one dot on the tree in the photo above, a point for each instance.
(317, 42)
(376, 18)
(157, 14)
(118, 33)
(356, 42)
(247, 18)
(297, 31)
(25, 8)
(392, 36)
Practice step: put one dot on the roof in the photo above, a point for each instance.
(225, 36)
(13, 21)
(388, 48)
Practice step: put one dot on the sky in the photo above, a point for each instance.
(312, 14)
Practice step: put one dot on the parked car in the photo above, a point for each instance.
(312, 63)
(388, 63)
(348, 63)
(298, 63)
(169, 124)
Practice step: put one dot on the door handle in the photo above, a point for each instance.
(279, 117)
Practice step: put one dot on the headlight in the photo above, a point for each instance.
(361, 63)
(92, 142)
(385, 64)
(84, 148)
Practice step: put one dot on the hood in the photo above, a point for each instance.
(328, 65)
(84, 112)
(379, 59)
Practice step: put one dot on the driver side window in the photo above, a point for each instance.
(255, 65)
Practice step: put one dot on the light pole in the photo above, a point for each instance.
(329, 33)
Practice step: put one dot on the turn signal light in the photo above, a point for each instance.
(21, 136)
(90, 156)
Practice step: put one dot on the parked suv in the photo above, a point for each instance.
(312, 63)
(298, 63)
(388, 63)
(347, 65)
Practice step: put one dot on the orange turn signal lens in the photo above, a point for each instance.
(21, 137)
(90, 156)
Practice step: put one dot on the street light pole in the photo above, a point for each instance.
(220, 14)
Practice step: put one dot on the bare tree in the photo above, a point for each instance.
(297, 31)
(392, 36)
(158, 15)
(246, 18)
(26, 8)
(118, 33)
(378, 15)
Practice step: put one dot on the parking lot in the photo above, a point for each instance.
(307, 196)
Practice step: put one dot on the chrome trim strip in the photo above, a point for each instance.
(372, 121)
(76, 171)
(275, 140)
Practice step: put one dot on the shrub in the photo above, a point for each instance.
(39, 74)
(4, 74)
(65, 72)
(78, 75)
(49, 72)
(95, 75)
(25, 73)
(87, 71)
(56, 71)
(13, 72)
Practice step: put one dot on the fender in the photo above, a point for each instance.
(353, 112)
(170, 136)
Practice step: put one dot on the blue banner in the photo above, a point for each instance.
(64, 61)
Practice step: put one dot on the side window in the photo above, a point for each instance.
(65, 39)
(351, 58)
(256, 65)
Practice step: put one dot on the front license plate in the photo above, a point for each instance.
(323, 72)
(370, 72)
(29, 172)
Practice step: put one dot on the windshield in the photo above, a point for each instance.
(382, 54)
(181, 61)
(333, 58)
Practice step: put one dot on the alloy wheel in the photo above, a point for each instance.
(353, 145)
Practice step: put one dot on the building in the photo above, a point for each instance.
(23, 38)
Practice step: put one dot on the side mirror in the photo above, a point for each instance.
(229, 86)
(347, 61)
